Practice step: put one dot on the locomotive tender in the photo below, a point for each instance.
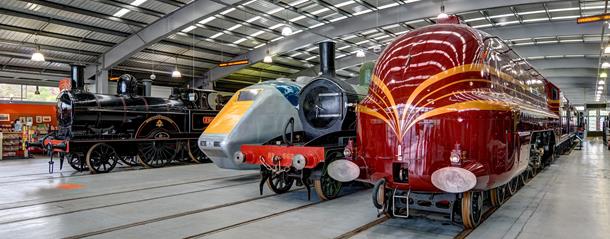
(453, 116)
(98, 130)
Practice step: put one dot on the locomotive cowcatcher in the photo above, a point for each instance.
(97, 130)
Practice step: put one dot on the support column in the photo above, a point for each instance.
(101, 82)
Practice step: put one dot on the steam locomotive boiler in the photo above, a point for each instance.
(454, 118)
(327, 114)
(97, 130)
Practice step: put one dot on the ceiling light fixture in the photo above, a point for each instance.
(37, 92)
(37, 56)
(286, 31)
(268, 58)
(600, 87)
(442, 15)
(607, 50)
(176, 73)
(605, 65)
(601, 82)
(603, 74)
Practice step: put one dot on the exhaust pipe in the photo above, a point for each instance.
(327, 58)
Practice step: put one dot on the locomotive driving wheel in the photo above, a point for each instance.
(513, 185)
(195, 153)
(280, 182)
(472, 208)
(160, 150)
(77, 162)
(498, 195)
(101, 158)
(326, 187)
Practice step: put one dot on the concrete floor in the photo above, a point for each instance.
(570, 199)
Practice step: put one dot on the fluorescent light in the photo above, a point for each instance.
(277, 39)
(276, 26)
(257, 33)
(317, 25)
(296, 54)
(234, 27)
(227, 11)
(138, 2)
(320, 11)
(344, 4)
(297, 2)
(274, 10)
(253, 19)
(216, 35)
(121, 12)
(387, 6)
(240, 40)
(209, 19)
(188, 29)
(297, 18)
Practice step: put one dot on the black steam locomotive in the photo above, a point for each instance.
(327, 112)
(98, 130)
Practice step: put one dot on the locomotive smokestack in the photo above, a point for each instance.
(146, 85)
(78, 77)
(327, 58)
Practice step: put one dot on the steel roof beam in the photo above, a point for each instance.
(15, 13)
(155, 32)
(55, 35)
(86, 12)
(401, 13)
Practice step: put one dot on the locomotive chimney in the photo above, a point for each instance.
(146, 85)
(327, 58)
(78, 77)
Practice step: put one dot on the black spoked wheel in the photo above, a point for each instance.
(158, 153)
(101, 158)
(280, 182)
(130, 160)
(76, 162)
(195, 154)
(326, 187)
(472, 208)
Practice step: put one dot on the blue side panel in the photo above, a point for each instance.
(288, 89)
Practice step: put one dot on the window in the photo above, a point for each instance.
(248, 95)
(28, 93)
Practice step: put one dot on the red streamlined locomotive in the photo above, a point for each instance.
(454, 116)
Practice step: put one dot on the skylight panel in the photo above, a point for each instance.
(188, 29)
(121, 12)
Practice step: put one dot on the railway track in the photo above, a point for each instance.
(172, 216)
(131, 202)
(127, 191)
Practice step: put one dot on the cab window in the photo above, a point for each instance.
(248, 95)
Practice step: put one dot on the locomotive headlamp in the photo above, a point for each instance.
(454, 179)
(299, 161)
(456, 155)
(239, 157)
(347, 152)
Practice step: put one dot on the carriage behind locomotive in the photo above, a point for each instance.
(96, 131)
